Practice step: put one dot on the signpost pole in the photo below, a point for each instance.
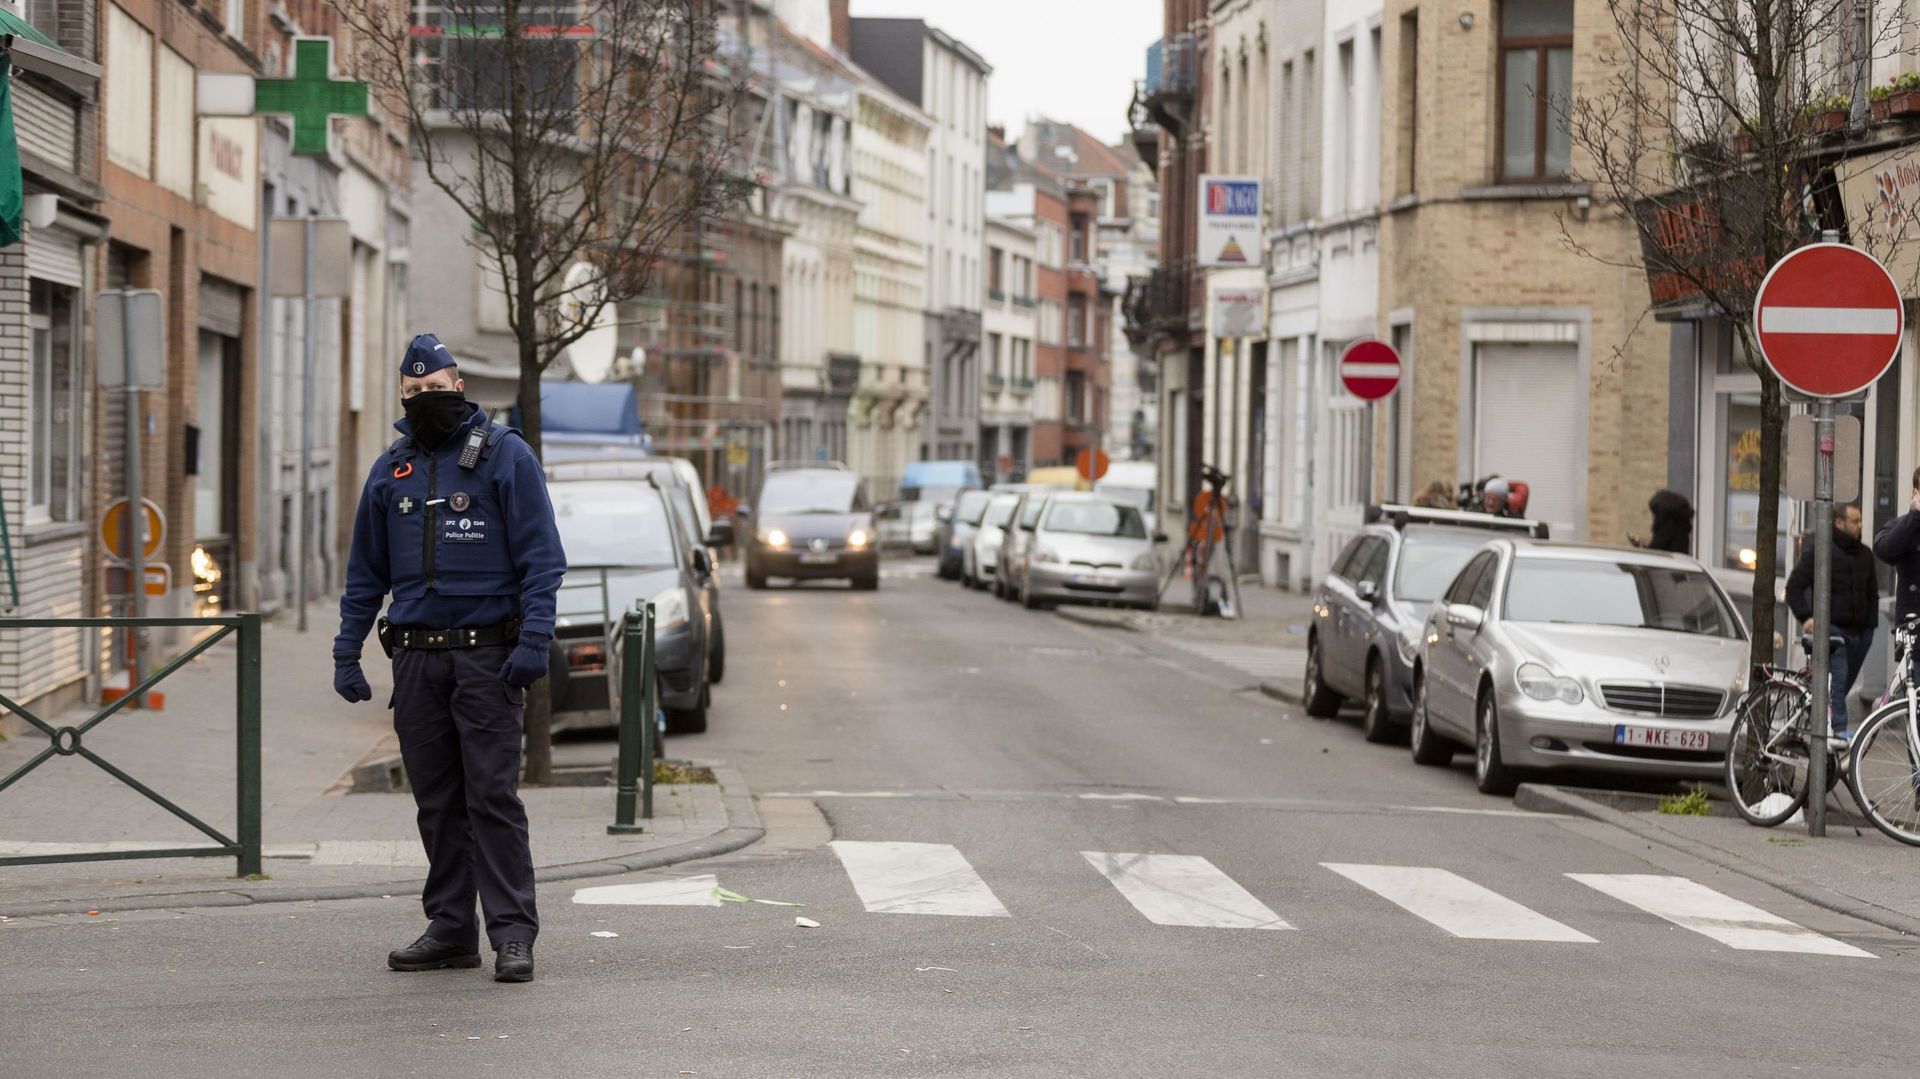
(136, 523)
(1822, 615)
(306, 416)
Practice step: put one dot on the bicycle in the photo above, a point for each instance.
(1883, 768)
(1768, 755)
(1206, 528)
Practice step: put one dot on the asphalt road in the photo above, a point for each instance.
(962, 794)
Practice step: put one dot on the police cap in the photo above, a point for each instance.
(425, 356)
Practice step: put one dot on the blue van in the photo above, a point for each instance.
(938, 481)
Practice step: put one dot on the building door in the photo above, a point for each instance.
(1339, 487)
(215, 464)
(1527, 413)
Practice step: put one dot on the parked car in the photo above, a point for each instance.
(680, 481)
(1552, 656)
(1367, 612)
(808, 523)
(910, 525)
(981, 560)
(1026, 514)
(624, 548)
(1089, 548)
(955, 531)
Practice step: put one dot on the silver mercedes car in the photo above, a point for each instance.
(1546, 655)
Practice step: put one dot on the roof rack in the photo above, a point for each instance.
(1401, 516)
(798, 464)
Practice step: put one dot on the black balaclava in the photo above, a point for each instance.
(433, 416)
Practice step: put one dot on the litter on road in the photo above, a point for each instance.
(806, 923)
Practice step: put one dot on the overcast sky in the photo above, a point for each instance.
(1072, 60)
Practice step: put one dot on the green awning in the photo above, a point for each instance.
(19, 27)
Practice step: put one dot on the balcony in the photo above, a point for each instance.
(1023, 301)
(1023, 385)
(1158, 302)
(1166, 94)
(997, 295)
(996, 381)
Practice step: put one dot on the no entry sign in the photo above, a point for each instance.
(1829, 319)
(1369, 369)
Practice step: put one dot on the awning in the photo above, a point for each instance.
(36, 52)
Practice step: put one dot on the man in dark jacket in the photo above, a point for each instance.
(1854, 611)
(1898, 545)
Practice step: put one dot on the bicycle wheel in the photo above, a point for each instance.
(1767, 755)
(1885, 773)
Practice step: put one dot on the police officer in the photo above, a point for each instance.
(455, 523)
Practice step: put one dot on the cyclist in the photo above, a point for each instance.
(1853, 613)
(1898, 545)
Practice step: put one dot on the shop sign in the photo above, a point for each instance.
(230, 168)
(1882, 197)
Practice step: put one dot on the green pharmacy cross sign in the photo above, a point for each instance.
(312, 97)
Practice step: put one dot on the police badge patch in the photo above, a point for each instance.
(458, 502)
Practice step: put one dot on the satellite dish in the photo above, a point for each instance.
(591, 357)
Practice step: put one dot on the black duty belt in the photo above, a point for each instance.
(469, 637)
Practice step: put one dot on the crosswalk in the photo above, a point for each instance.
(1262, 661)
(1189, 891)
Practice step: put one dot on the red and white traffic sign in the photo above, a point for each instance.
(1369, 369)
(1829, 320)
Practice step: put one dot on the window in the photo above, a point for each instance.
(1619, 594)
(996, 284)
(1464, 585)
(993, 354)
(53, 449)
(1536, 80)
(1407, 120)
(129, 63)
(1077, 321)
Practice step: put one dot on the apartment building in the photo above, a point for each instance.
(948, 81)
(1011, 324)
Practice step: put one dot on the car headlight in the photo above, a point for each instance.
(858, 538)
(1146, 561)
(670, 608)
(1041, 554)
(773, 537)
(1543, 685)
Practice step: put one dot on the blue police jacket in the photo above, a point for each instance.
(456, 547)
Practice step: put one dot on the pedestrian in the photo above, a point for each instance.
(1898, 545)
(455, 523)
(1853, 612)
(1437, 496)
(1672, 524)
(1493, 497)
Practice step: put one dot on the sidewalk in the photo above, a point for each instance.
(1267, 643)
(320, 842)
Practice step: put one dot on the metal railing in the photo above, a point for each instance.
(71, 741)
(639, 689)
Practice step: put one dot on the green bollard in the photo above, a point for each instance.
(649, 725)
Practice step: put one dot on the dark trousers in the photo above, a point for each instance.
(460, 731)
(1843, 667)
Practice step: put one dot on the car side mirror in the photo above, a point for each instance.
(702, 561)
(721, 533)
(1462, 616)
(1159, 537)
(1368, 591)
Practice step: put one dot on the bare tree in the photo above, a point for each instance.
(1717, 130)
(587, 143)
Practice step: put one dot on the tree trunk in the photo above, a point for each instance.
(1766, 569)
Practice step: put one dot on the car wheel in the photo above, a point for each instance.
(717, 655)
(1429, 747)
(868, 581)
(690, 720)
(1027, 599)
(756, 580)
(1320, 701)
(1376, 725)
(1490, 774)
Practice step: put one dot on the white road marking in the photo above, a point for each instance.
(1691, 905)
(694, 891)
(1457, 904)
(1836, 320)
(1128, 796)
(1183, 889)
(916, 878)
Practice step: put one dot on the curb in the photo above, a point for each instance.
(1085, 616)
(1541, 798)
(743, 828)
(1280, 691)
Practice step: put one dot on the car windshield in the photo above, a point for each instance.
(809, 492)
(999, 512)
(1618, 594)
(633, 532)
(971, 506)
(1096, 519)
(1429, 563)
(1031, 513)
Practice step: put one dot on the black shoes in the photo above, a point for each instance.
(514, 962)
(430, 954)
